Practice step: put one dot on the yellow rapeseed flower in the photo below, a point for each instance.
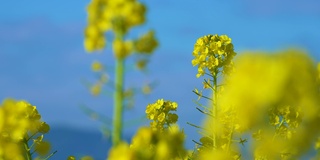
(122, 49)
(42, 148)
(116, 15)
(96, 89)
(96, 66)
(18, 120)
(146, 43)
(121, 152)
(282, 92)
(159, 113)
(211, 53)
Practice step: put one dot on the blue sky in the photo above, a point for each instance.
(42, 59)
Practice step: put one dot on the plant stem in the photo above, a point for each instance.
(215, 108)
(118, 102)
(27, 149)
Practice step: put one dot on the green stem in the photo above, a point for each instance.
(118, 102)
(51, 155)
(215, 108)
(27, 149)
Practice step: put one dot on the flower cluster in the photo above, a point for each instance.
(116, 15)
(284, 97)
(146, 43)
(158, 112)
(122, 49)
(149, 144)
(19, 123)
(213, 52)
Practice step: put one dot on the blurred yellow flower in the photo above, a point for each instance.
(86, 158)
(158, 112)
(96, 66)
(96, 89)
(71, 158)
(18, 121)
(122, 49)
(42, 147)
(121, 152)
(146, 43)
(116, 15)
(282, 92)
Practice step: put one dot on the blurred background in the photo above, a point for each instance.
(42, 59)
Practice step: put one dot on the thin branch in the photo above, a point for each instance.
(51, 155)
(206, 113)
(193, 125)
(200, 105)
(202, 95)
(205, 81)
(209, 74)
(99, 116)
(197, 142)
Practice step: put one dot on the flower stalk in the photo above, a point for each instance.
(215, 108)
(118, 98)
(27, 149)
(118, 102)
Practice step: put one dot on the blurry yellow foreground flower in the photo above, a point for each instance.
(277, 97)
(18, 121)
(149, 144)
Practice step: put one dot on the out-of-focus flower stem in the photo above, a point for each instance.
(215, 108)
(118, 98)
(27, 149)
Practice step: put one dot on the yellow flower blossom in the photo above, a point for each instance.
(121, 152)
(211, 53)
(71, 158)
(94, 39)
(282, 92)
(146, 43)
(122, 49)
(158, 112)
(44, 127)
(18, 120)
(116, 15)
(146, 89)
(96, 89)
(96, 66)
(42, 147)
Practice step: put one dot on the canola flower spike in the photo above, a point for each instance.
(158, 112)
(115, 15)
(18, 121)
(282, 90)
(148, 144)
(213, 52)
